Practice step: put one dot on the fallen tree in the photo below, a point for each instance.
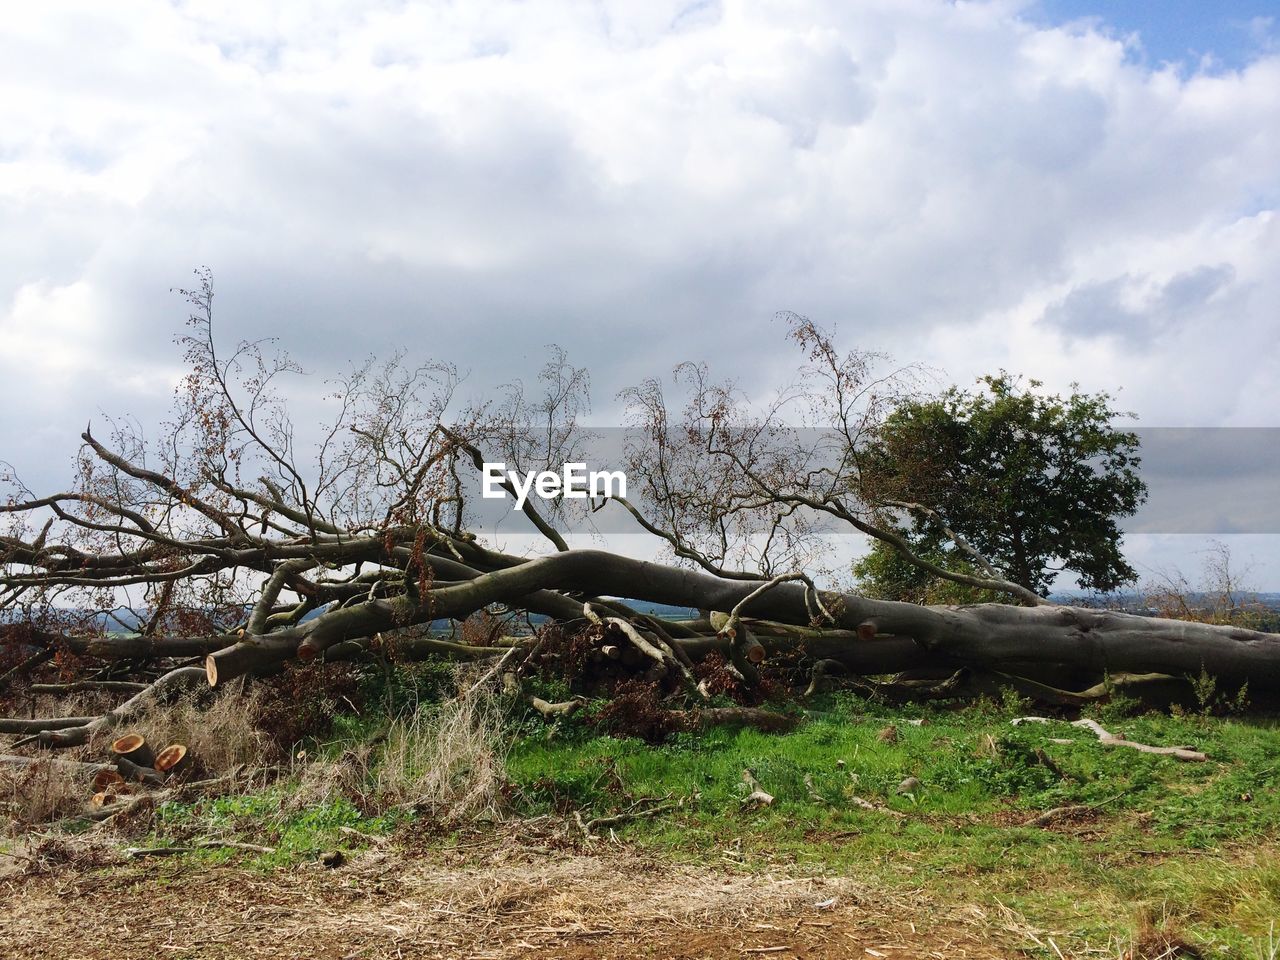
(367, 553)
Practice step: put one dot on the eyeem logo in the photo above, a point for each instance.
(574, 483)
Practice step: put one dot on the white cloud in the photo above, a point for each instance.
(640, 182)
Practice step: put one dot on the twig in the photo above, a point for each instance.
(588, 827)
(106, 686)
(37, 658)
(17, 725)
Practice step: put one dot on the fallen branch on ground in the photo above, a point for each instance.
(758, 797)
(171, 682)
(39, 725)
(637, 811)
(96, 686)
(554, 711)
(70, 766)
(1058, 813)
(1112, 740)
(706, 717)
(135, 852)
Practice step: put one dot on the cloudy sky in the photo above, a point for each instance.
(1069, 189)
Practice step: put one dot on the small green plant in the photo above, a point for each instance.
(1205, 689)
(1210, 701)
(1012, 703)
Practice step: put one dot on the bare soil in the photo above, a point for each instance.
(485, 901)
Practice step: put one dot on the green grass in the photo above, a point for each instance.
(1194, 841)
(263, 817)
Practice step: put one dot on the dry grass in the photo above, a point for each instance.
(1160, 938)
(320, 782)
(220, 733)
(40, 793)
(1268, 947)
(449, 760)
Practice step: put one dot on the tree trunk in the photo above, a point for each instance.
(1095, 642)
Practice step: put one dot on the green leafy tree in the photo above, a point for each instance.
(885, 574)
(1034, 483)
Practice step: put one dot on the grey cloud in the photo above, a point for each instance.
(1103, 308)
(814, 82)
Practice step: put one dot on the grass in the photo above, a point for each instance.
(1158, 848)
(447, 760)
(443, 760)
(1193, 843)
(269, 818)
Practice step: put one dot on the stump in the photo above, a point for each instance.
(134, 748)
(171, 759)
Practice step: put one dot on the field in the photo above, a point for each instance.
(897, 831)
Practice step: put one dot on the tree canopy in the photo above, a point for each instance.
(1032, 482)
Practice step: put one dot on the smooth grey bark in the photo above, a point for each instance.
(991, 635)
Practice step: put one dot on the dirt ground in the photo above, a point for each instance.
(483, 901)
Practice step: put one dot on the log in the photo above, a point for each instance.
(134, 748)
(15, 725)
(992, 635)
(81, 686)
(171, 759)
(765, 720)
(133, 771)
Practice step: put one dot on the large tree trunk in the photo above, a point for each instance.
(904, 635)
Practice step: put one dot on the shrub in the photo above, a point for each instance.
(635, 711)
(41, 792)
(221, 732)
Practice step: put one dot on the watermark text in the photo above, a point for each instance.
(574, 482)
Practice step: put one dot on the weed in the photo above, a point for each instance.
(302, 702)
(1211, 701)
(402, 687)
